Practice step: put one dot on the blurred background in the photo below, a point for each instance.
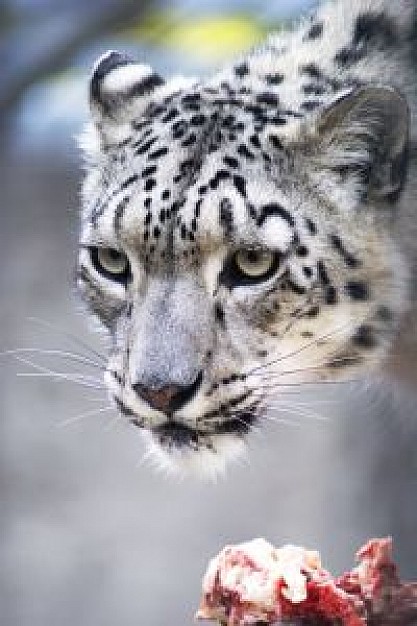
(90, 534)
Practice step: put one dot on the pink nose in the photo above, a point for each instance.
(168, 398)
(160, 399)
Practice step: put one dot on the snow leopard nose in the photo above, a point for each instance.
(168, 398)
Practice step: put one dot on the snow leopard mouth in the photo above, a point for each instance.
(178, 435)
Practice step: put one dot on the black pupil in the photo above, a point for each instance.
(252, 256)
(114, 255)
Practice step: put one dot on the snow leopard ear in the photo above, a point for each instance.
(365, 133)
(120, 89)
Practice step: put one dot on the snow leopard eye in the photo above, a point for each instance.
(111, 264)
(249, 266)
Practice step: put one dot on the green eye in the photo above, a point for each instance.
(254, 264)
(249, 266)
(111, 264)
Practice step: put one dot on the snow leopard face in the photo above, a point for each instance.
(234, 241)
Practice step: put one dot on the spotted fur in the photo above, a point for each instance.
(297, 152)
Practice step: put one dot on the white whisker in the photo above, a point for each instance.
(304, 347)
(81, 416)
(300, 411)
(70, 336)
(280, 420)
(53, 352)
(44, 372)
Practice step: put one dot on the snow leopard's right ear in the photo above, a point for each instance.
(120, 90)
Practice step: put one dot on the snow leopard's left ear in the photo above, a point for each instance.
(120, 90)
(365, 134)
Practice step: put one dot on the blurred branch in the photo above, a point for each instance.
(51, 48)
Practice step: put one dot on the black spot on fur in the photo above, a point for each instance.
(348, 56)
(302, 251)
(240, 184)
(179, 129)
(244, 151)
(267, 98)
(310, 105)
(148, 171)
(322, 273)
(349, 259)
(145, 147)
(242, 70)
(219, 314)
(198, 208)
(278, 120)
(157, 154)
(226, 216)
(198, 120)
(228, 121)
(385, 313)
(257, 111)
(330, 295)
(129, 181)
(313, 89)
(364, 337)
(357, 290)
(275, 141)
(190, 97)
(189, 141)
(312, 228)
(315, 31)
(231, 162)
(172, 113)
(150, 184)
(254, 139)
(165, 194)
(274, 79)
(298, 289)
(218, 177)
(313, 312)
(186, 166)
(312, 70)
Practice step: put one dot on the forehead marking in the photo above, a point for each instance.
(101, 205)
(274, 209)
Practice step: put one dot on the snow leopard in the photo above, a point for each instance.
(239, 233)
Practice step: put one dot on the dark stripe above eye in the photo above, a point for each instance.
(274, 209)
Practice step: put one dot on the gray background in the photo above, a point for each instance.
(91, 535)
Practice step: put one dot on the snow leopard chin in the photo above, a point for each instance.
(208, 460)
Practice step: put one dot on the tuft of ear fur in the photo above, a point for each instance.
(120, 90)
(365, 134)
